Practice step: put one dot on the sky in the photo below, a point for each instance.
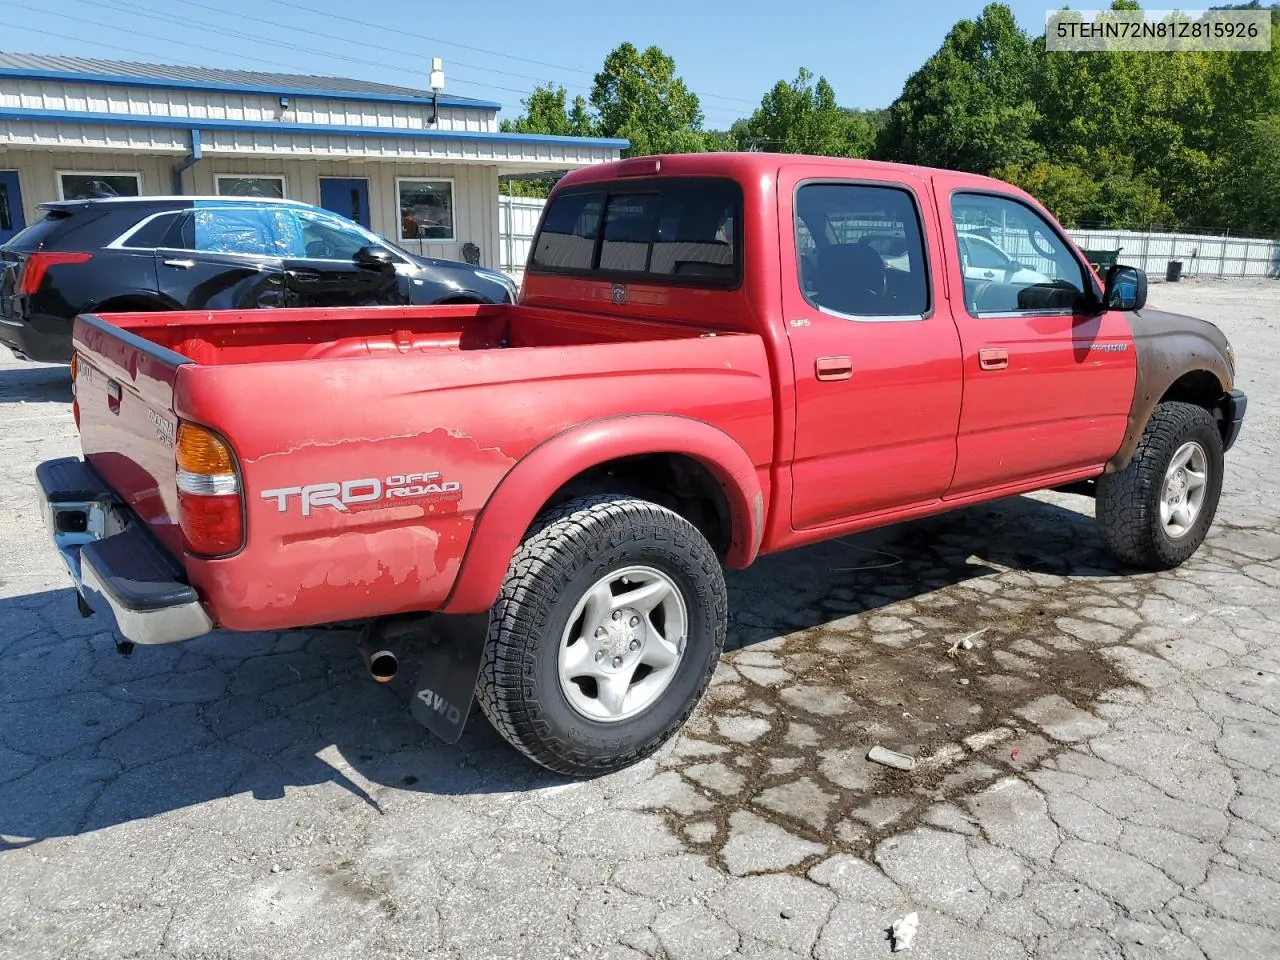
(499, 49)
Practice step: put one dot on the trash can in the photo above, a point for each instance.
(1173, 272)
(1101, 260)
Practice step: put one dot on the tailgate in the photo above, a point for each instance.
(124, 408)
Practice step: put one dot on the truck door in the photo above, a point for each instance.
(1048, 379)
(875, 351)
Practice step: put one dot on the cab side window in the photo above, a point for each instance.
(1012, 259)
(861, 251)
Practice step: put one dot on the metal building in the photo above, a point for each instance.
(420, 170)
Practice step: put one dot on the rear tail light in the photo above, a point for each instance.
(210, 506)
(38, 264)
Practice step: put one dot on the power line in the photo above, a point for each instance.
(347, 40)
(465, 46)
(238, 35)
(126, 7)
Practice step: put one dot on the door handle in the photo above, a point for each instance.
(993, 358)
(833, 368)
(304, 276)
(180, 264)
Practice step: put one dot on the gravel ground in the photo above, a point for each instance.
(1105, 785)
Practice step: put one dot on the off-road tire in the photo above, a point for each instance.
(569, 548)
(1128, 501)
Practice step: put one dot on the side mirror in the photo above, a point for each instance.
(378, 258)
(1126, 288)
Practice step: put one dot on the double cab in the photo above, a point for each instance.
(713, 357)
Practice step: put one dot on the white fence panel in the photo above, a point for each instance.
(1201, 255)
(517, 221)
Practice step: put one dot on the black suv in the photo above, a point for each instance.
(123, 254)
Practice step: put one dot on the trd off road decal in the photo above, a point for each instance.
(369, 492)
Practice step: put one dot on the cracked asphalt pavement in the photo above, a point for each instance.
(1098, 774)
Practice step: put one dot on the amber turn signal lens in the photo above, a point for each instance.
(199, 451)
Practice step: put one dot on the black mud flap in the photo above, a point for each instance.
(450, 668)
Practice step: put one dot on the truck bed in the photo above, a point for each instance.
(271, 336)
(326, 397)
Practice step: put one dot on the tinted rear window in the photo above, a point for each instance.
(35, 235)
(567, 240)
(674, 231)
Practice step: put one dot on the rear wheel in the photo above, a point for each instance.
(604, 636)
(1156, 512)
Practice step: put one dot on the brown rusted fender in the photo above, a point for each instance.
(1168, 346)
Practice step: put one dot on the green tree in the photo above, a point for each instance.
(1251, 195)
(802, 117)
(637, 95)
(864, 129)
(547, 110)
(970, 106)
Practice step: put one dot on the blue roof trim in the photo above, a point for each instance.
(170, 84)
(258, 126)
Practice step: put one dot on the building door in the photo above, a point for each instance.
(11, 218)
(347, 196)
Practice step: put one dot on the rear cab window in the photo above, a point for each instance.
(861, 251)
(673, 231)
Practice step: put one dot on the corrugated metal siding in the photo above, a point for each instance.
(91, 136)
(227, 105)
(475, 188)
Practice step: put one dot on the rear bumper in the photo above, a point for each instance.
(118, 569)
(1233, 408)
(23, 339)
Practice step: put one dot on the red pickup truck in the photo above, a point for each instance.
(713, 357)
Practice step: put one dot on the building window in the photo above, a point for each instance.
(426, 210)
(90, 186)
(237, 186)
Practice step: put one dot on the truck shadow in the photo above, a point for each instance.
(89, 739)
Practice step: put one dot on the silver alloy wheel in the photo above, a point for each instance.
(1185, 484)
(623, 644)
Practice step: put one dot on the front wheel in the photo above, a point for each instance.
(1156, 512)
(604, 635)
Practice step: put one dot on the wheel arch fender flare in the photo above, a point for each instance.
(155, 299)
(530, 484)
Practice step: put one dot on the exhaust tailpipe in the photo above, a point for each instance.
(380, 662)
(381, 639)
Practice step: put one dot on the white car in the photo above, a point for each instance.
(983, 260)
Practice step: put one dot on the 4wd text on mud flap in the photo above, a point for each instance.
(342, 496)
(440, 705)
